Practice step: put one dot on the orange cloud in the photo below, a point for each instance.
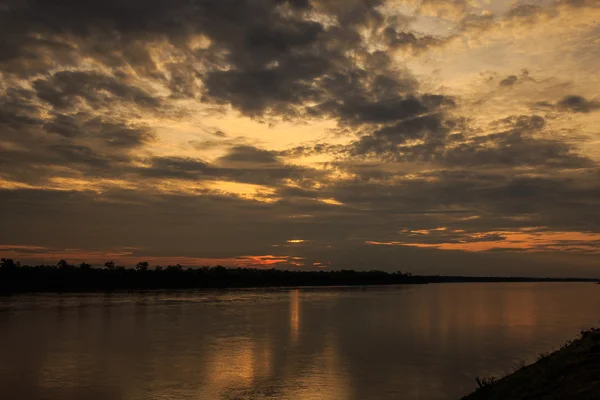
(527, 240)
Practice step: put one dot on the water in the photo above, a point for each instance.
(408, 342)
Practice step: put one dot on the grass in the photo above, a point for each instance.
(570, 373)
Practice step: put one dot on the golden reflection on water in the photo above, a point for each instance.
(236, 365)
(325, 380)
(294, 314)
(466, 310)
(520, 310)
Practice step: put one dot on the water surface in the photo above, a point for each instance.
(403, 342)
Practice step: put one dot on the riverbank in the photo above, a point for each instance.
(571, 373)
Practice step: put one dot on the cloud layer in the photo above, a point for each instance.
(313, 133)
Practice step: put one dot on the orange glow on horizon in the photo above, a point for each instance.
(129, 257)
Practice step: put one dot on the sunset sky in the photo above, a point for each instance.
(434, 136)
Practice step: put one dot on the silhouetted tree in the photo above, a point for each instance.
(85, 265)
(110, 265)
(7, 263)
(142, 266)
(176, 267)
(62, 264)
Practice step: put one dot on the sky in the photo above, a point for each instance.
(433, 136)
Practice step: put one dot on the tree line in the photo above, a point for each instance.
(66, 277)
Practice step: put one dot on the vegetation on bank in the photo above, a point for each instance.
(571, 373)
(83, 277)
(64, 276)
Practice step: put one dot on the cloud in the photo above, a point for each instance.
(227, 168)
(520, 16)
(408, 40)
(444, 8)
(531, 240)
(260, 56)
(518, 146)
(515, 150)
(19, 109)
(477, 23)
(249, 154)
(448, 142)
(578, 3)
(319, 79)
(509, 80)
(388, 142)
(570, 103)
(578, 104)
(66, 89)
(528, 14)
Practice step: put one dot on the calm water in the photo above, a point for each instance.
(410, 342)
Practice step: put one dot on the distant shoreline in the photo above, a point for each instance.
(570, 373)
(15, 278)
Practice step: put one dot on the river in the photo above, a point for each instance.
(396, 342)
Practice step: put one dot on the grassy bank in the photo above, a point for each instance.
(571, 373)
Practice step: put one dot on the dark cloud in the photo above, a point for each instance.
(315, 149)
(113, 134)
(512, 80)
(177, 167)
(67, 145)
(571, 103)
(249, 154)
(64, 125)
(75, 154)
(360, 110)
(527, 13)
(515, 149)
(18, 109)
(122, 137)
(518, 142)
(219, 142)
(522, 123)
(578, 104)
(66, 89)
(323, 75)
(477, 23)
(579, 3)
(408, 40)
(509, 80)
(255, 92)
(500, 201)
(388, 141)
(116, 32)
(196, 170)
(264, 56)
